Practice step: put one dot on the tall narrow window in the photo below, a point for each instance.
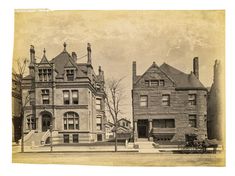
(66, 138)
(193, 121)
(98, 103)
(192, 99)
(49, 75)
(75, 96)
(75, 138)
(70, 75)
(166, 100)
(66, 96)
(98, 123)
(45, 96)
(40, 74)
(144, 100)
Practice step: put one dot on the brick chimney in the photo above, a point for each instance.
(133, 71)
(196, 67)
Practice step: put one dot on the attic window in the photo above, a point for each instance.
(70, 75)
(154, 83)
(44, 75)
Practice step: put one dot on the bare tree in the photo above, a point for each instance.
(114, 95)
(19, 74)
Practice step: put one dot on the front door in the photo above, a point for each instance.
(142, 127)
(46, 122)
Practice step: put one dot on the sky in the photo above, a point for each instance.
(120, 37)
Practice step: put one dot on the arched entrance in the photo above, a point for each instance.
(46, 121)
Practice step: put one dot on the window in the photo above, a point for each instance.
(146, 83)
(123, 124)
(164, 123)
(75, 96)
(71, 121)
(75, 138)
(99, 137)
(193, 121)
(45, 96)
(161, 83)
(30, 123)
(70, 75)
(98, 87)
(98, 123)
(45, 74)
(192, 99)
(98, 103)
(166, 100)
(66, 96)
(144, 100)
(154, 83)
(66, 138)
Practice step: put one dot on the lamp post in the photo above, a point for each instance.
(51, 146)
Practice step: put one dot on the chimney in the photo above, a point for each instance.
(196, 67)
(133, 71)
(32, 55)
(88, 53)
(32, 60)
(74, 56)
(100, 71)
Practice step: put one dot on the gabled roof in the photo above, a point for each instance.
(63, 60)
(124, 120)
(44, 58)
(154, 65)
(181, 79)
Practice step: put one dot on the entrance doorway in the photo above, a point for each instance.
(46, 122)
(142, 127)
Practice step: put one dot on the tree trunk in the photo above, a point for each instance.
(115, 140)
(22, 133)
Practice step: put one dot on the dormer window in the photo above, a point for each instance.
(70, 75)
(45, 75)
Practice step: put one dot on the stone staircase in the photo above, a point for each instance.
(34, 139)
(146, 146)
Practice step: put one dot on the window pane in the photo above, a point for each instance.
(75, 138)
(98, 103)
(161, 83)
(66, 97)
(66, 138)
(98, 120)
(147, 83)
(154, 83)
(143, 100)
(75, 96)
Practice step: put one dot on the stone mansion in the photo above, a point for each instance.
(63, 95)
(168, 104)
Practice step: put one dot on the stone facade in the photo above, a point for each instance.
(65, 96)
(168, 105)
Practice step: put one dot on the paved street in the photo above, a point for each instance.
(118, 159)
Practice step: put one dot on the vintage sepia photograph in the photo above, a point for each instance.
(119, 87)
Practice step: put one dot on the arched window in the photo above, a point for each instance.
(71, 121)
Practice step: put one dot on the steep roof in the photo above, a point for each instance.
(63, 60)
(181, 79)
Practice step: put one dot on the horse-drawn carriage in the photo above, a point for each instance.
(193, 145)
